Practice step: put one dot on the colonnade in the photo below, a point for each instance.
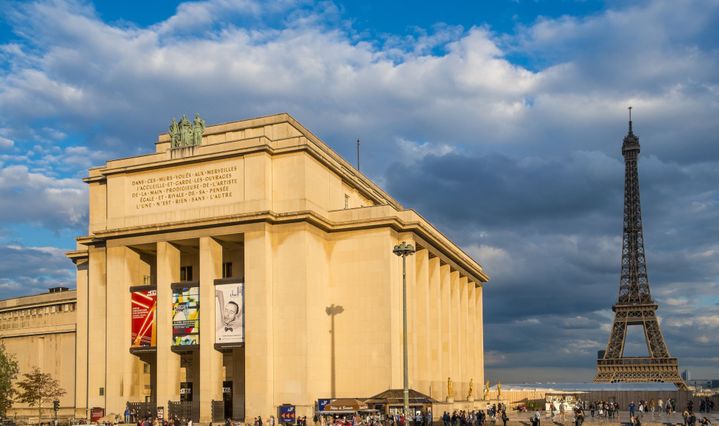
(445, 329)
(109, 373)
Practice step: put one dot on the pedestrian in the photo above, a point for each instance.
(505, 419)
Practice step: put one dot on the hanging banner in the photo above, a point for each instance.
(230, 313)
(186, 316)
(144, 328)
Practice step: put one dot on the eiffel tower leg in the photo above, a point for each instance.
(615, 348)
(655, 340)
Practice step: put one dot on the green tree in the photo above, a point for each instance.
(37, 388)
(8, 372)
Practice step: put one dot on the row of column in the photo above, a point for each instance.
(107, 373)
(445, 330)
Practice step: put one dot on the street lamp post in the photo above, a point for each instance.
(403, 250)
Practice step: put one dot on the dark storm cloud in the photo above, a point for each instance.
(549, 234)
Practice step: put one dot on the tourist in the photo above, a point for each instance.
(505, 419)
(632, 409)
(578, 416)
(535, 419)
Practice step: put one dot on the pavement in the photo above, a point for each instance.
(517, 418)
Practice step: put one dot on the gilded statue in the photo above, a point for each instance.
(450, 388)
(471, 389)
(499, 390)
(486, 390)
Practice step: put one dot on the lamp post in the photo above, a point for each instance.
(403, 250)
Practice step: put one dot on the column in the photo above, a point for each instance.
(435, 329)
(81, 346)
(96, 320)
(422, 308)
(411, 317)
(479, 336)
(472, 341)
(445, 284)
(210, 386)
(463, 343)
(454, 367)
(259, 341)
(238, 383)
(119, 359)
(168, 362)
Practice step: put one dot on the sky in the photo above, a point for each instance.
(499, 121)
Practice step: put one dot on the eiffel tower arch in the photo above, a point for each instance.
(635, 305)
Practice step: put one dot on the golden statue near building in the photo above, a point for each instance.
(471, 390)
(486, 390)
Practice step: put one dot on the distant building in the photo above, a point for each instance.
(686, 375)
(40, 331)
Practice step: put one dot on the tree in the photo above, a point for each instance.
(37, 388)
(8, 372)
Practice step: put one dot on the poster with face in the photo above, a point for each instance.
(144, 329)
(186, 316)
(230, 309)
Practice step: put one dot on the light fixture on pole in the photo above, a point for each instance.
(403, 250)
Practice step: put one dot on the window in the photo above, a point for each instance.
(227, 270)
(186, 273)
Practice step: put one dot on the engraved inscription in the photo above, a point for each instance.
(183, 188)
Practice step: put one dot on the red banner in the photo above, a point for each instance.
(143, 318)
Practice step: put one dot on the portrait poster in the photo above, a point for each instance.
(144, 326)
(186, 316)
(230, 313)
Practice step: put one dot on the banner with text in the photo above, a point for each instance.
(230, 313)
(144, 329)
(186, 316)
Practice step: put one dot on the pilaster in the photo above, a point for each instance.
(421, 301)
(455, 370)
(445, 286)
(435, 329)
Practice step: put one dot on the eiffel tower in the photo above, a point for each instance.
(635, 305)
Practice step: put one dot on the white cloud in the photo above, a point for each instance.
(32, 197)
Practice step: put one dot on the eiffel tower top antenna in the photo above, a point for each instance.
(630, 119)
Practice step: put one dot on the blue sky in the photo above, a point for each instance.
(499, 121)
